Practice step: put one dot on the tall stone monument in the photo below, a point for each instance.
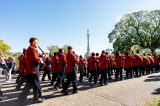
(88, 47)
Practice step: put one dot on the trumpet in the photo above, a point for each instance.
(45, 54)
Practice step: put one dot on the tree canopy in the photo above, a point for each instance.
(139, 28)
(54, 48)
(4, 48)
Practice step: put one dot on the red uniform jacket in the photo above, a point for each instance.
(32, 60)
(62, 62)
(103, 62)
(151, 58)
(127, 62)
(97, 58)
(81, 64)
(55, 63)
(145, 61)
(114, 65)
(118, 61)
(156, 61)
(22, 63)
(71, 62)
(111, 62)
(93, 63)
(137, 61)
(47, 63)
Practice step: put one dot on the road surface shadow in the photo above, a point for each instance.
(9, 90)
(156, 92)
(152, 78)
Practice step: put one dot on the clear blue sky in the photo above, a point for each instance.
(60, 22)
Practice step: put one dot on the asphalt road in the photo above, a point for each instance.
(132, 92)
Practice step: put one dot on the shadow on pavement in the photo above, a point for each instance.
(156, 92)
(12, 94)
(9, 90)
(152, 78)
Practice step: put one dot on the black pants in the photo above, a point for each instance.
(98, 72)
(109, 71)
(46, 72)
(144, 70)
(140, 70)
(82, 73)
(19, 77)
(136, 70)
(87, 73)
(20, 80)
(150, 69)
(156, 66)
(61, 79)
(93, 73)
(1, 94)
(85, 70)
(54, 78)
(32, 81)
(147, 70)
(118, 73)
(129, 72)
(71, 78)
(103, 77)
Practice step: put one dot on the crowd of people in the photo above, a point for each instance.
(62, 69)
(7, 68)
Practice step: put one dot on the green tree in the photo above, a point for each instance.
(54, 48)
(4, 48)
(139, 28)
(65, 48)
(16, 56)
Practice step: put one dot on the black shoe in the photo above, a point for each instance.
(110, 78)
(17, 89)
(64, 92)
(20, 102)
(116, 79)
(51, 84)
(74, 92)
(106, 84)
(39, 100)
(56, 88)
(100, 84)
